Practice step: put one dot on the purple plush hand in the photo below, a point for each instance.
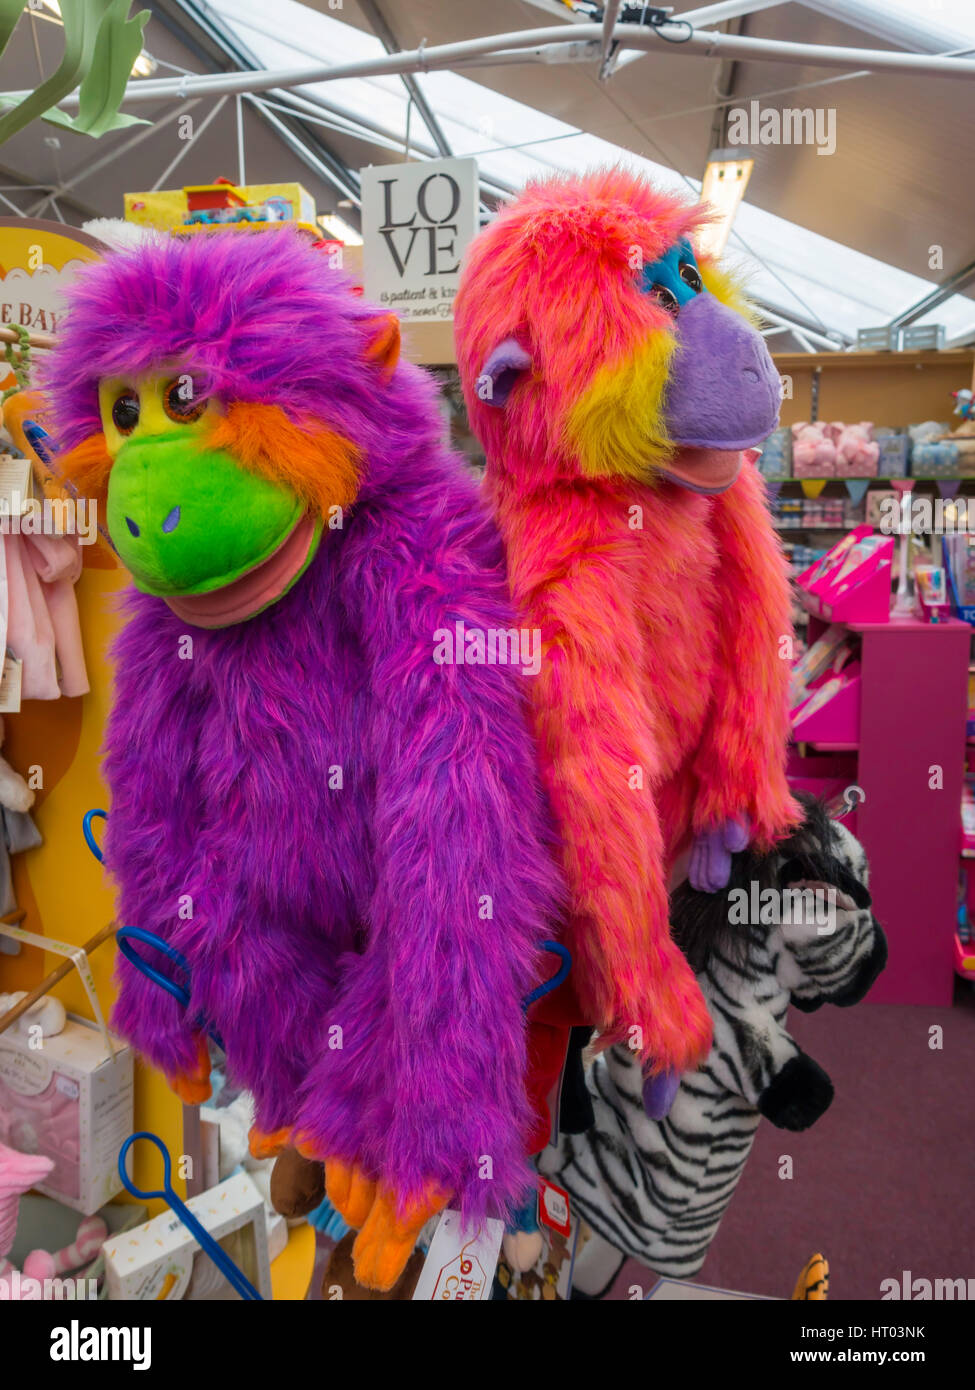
(710, 866)
(659, 1092)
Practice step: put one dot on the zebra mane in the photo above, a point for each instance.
(702, 921)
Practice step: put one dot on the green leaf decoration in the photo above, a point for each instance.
(100, 46)
(117, 45)
(10, 12)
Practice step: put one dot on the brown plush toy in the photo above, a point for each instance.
(297, 1188)
(297, 1184)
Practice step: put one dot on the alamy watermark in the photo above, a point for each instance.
(943, 516)
(785, 907)
(55, 516)
(755, 125)
(494, 646)
(21, 1288)
(919, 1289)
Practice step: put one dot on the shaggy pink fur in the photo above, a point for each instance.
(661, 705)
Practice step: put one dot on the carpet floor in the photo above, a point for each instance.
(882, 1183)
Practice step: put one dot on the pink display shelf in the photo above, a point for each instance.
(861, 595)
(836, 724)
(912, 717)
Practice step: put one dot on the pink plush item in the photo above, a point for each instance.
(857, 453)
(813, 451)
(91, 1236)
(42, 626)
(18, 1174)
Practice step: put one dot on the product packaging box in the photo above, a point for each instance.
(71, 1101)
(161, 1261)
(170, 209)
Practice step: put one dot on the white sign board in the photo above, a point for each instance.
(417, 221)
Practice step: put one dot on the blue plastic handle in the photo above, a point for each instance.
(181, 993)
(126, 935)
(565, 955)
(90, 840)
(204, 1239)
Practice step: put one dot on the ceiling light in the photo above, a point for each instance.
(338, 229)
(145, 65)
(725, 180)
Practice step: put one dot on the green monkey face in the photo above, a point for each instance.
(217, 542)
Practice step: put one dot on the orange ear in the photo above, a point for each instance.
(384, 342)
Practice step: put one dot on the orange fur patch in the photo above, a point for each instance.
(320, 466)
(87, 466)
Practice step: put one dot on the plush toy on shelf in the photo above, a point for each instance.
(813, 451)
(857, 452)
(657, 1190)
(340, 829)
(616, 381)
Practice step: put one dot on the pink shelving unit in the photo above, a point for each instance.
(912, 697)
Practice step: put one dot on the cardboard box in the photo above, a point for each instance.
(69, 1100)
(160, 1261)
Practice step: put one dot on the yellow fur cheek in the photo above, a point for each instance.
(728, 289)
(617, 426)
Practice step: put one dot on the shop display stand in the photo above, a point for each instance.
(907, 757)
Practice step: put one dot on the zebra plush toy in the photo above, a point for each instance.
(793, 926)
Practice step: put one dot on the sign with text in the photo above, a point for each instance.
(417, 221)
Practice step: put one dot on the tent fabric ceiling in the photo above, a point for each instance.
(891, 191)
(902, 142)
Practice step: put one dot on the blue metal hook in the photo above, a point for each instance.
(204, 1239)
(565, 955)
(125, 936)
(90, 840)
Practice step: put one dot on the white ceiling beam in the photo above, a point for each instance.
(919, 32)
(708, 44)
(710, 14)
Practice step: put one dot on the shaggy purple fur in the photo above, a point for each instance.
(318, 908)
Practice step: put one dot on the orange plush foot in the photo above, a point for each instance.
(193, 1086)
(385, 1243)
(306, 1147)
(350, 1192)
(264, 1145)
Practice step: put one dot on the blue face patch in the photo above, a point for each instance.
(674, 279)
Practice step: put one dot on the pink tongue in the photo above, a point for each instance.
(253, 591)
(705, 470)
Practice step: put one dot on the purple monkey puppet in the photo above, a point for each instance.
(344, 836)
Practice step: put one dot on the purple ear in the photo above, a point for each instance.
(501, 372)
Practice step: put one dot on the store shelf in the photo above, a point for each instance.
(872, 478)
(912, 714)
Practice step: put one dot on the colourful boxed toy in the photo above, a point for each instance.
(72, 1102)
(221, 203)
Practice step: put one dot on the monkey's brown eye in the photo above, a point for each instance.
(125, 412)
(691, 276)
(181, 401)
(664, 297)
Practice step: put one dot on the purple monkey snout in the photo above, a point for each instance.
(723, 391)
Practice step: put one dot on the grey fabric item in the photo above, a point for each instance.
(19, 834)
